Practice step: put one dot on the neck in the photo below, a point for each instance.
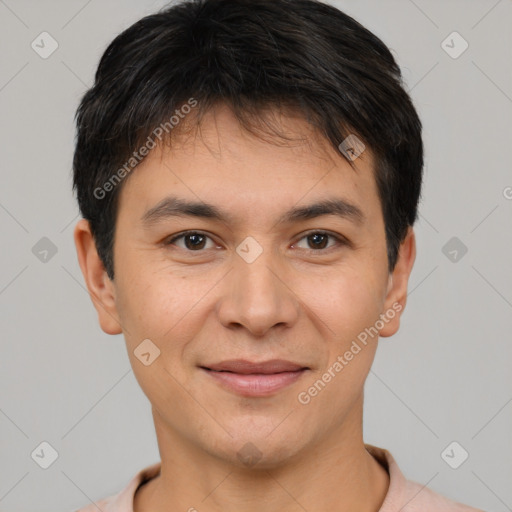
(337, 474)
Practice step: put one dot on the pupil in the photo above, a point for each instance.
(316, 239)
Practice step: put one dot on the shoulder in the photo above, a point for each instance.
(407, 496)
(419, 498)
(105, 505)
(97, 505)
(123, 500)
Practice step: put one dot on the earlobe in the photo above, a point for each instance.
(100, 287)
(396, 296)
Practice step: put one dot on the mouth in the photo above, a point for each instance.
(252, 379)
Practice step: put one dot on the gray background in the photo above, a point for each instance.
(444, 377)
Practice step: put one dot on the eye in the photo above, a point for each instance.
(192, 240)
(318, 240)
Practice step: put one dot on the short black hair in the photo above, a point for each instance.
(250, 55)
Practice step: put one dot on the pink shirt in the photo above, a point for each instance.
(402, 496)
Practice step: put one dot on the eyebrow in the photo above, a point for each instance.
(175, 207)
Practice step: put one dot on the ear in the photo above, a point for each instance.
(396, 296)
(101, 288)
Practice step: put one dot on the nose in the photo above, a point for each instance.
(257, 296)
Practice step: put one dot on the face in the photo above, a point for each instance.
(254, 273)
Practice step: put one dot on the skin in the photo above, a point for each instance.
(299, 300)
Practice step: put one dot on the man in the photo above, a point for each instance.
(249, 173)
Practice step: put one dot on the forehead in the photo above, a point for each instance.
(222, 163)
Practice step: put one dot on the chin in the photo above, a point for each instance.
(258, 449)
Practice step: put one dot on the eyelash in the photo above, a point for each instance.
(341, 241)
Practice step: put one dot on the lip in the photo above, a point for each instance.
(247, 367)
(255, 379)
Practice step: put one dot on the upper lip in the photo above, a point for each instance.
(247, 367)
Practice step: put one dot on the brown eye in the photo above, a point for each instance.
(319, 240)
(192, 241)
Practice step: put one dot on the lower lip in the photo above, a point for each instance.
(256, 384)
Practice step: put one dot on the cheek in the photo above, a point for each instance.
(347, 301)
(348, 309)
(163, 313)
(165, 309)
(150, 302)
